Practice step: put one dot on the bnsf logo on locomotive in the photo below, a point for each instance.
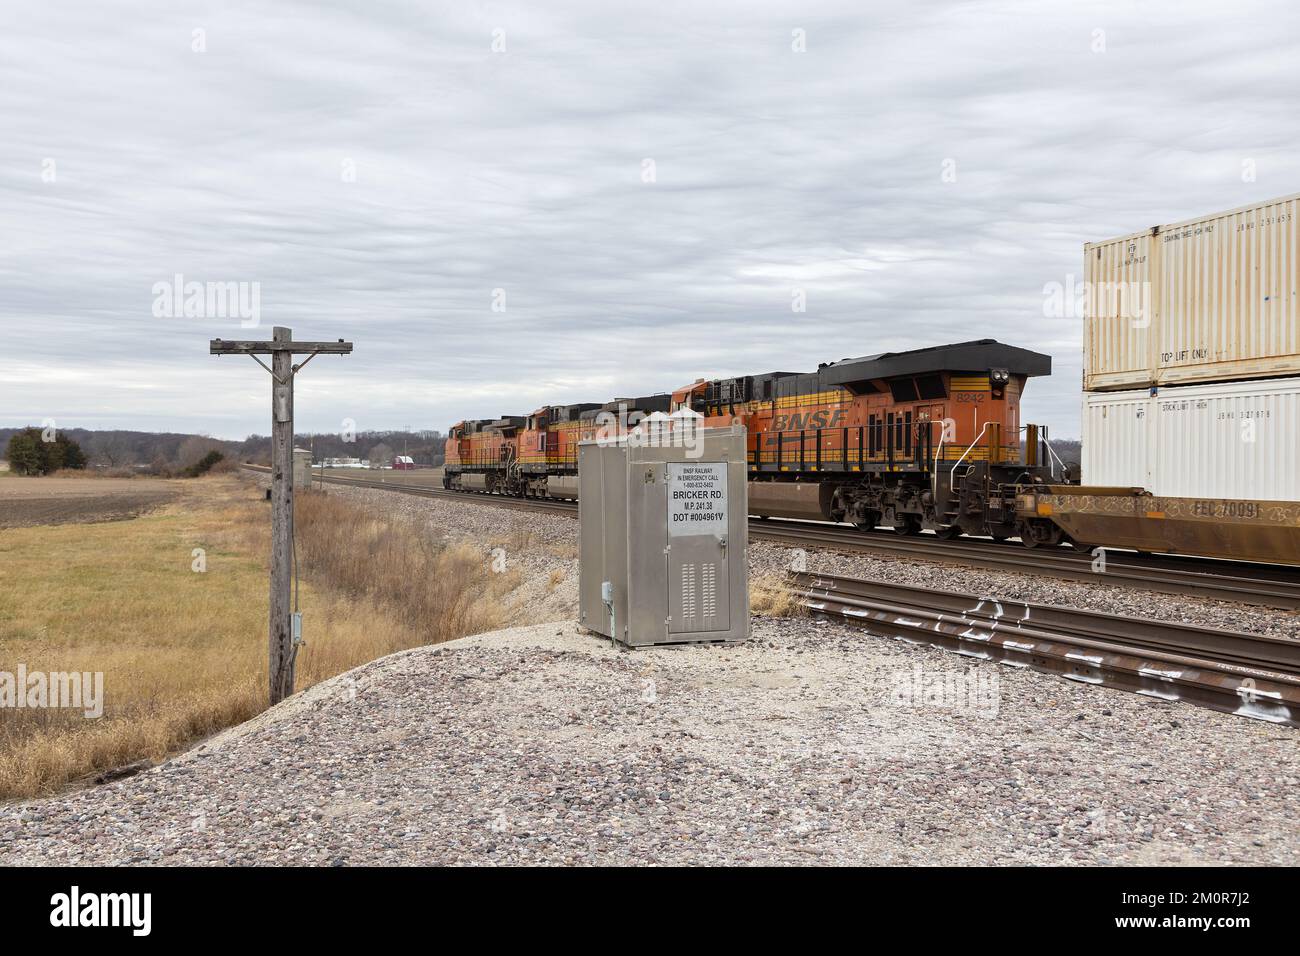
(822, 418)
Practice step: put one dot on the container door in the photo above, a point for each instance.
(698, 574)
(1123, 312)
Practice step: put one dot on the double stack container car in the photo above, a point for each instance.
(1191, 415)
(1191, 411)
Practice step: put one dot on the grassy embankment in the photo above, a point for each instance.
(183, 653)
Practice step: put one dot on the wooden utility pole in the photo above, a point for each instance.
(282, 349)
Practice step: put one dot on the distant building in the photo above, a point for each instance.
(403, 463)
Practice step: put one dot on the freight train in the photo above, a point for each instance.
(929, 439)
(1190, 419)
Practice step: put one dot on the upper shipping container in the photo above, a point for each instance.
(1212, 299)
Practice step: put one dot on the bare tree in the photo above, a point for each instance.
(115, 452)
(194, 448)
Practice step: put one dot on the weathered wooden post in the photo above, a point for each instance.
(282, 652)
(281, 348)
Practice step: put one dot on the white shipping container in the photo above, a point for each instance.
(1237, 440)
(1115, 444)
(1208, 299)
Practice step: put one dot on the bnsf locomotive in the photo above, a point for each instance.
(926, 439)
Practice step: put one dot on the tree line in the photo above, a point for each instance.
(118, 451)
(35, 451)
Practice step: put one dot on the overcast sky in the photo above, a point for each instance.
(378, 169)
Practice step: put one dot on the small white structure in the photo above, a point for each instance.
(301, 468)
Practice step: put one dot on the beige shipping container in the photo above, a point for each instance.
(1212, 299)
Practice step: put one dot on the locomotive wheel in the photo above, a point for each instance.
(869, 521)
(907, 525)
(950, 533)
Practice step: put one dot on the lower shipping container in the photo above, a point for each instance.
(1237, 440)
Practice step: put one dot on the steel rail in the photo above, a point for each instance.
(1244, 674)
(1268, 587)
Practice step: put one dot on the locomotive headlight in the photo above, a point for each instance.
(998, 378)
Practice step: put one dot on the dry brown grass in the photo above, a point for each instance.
(439, 591)
(518, 541)
(771, 595)
(183, 653)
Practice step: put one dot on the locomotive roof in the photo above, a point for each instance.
(647, 403)
(573, 413)
(976, 356)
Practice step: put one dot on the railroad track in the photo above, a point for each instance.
(1244, 674)
(426, 491)
(1262, 585)
(1240, 582)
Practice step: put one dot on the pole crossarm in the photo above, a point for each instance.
(225, 347)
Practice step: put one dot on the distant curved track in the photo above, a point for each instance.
(1235, 581)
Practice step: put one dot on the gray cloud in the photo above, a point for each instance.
(522, 171)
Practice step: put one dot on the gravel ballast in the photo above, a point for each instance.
(545, 744)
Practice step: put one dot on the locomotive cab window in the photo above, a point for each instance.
(903, 389)
(930, 387)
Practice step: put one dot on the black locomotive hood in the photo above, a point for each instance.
(978, 356)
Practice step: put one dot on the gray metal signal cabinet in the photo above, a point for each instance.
(663, 539)
(301, 468)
